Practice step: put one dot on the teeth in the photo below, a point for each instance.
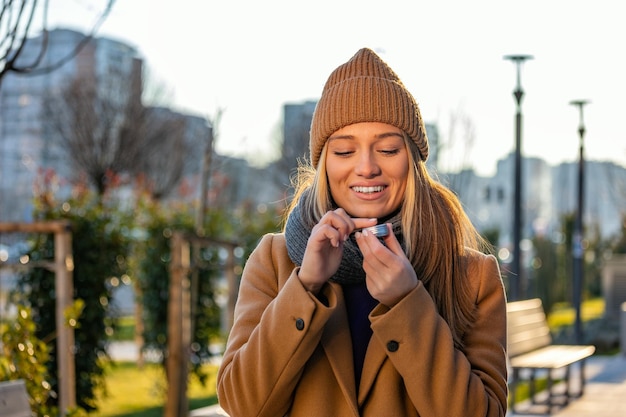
(376, 189)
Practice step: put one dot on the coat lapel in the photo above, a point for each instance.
(374, 358)
(338, 347)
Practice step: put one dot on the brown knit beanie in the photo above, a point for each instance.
(365, 89)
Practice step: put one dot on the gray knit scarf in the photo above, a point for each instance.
(351, 268)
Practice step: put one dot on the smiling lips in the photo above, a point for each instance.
(368, 190)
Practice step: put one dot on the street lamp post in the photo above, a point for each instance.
(516, 271)
(577, 237)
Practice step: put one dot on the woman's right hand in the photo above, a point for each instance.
(324, 248)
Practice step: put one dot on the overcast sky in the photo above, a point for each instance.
(251, 57)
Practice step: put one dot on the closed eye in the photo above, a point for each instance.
(390, 152)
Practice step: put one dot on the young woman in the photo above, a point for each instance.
(335, 318)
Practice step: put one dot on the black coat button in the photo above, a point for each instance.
(392, 346)
(299, 324)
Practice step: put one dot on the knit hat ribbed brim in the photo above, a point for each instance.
(365, 89)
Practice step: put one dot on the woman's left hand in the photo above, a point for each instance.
(389, 274)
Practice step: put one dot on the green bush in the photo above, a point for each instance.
(100, 247)
(24, 356)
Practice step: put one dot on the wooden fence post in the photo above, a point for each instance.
(178, 328)
(64, 266)
(233, 288)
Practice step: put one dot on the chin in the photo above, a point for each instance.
(367, 214)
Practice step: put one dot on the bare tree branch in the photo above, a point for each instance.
(12, 55)
(16, 18)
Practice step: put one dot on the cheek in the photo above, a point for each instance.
(335, 174)
(400, 172)
(401, 176)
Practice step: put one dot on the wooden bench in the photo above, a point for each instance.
(14, 399)
(530, 349)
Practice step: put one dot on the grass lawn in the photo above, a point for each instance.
(134, 392)
(564, 315)
(125, 329)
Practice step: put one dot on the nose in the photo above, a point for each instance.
(367, 166)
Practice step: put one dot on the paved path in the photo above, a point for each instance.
(212, 411)
(605, 394)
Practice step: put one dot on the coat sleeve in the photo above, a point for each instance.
(277, 326)
(440, 379)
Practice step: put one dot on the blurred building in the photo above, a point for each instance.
(548, 194)
(26, 147)
(296, 126)
(605, 194)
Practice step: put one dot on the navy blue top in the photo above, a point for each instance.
(359, 304)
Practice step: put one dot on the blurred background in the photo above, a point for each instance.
(134, 120)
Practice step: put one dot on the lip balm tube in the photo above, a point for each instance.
(380, 230)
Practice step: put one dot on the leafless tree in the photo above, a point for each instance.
(16, 24)
(108, 133)
(162, 161)
(207, 166)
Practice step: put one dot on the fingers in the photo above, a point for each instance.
(324, 248)
(336, 226)
(390, 275)
(374, 251)
(333, 228)
(360, 223)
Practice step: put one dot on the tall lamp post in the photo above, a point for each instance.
(518, 93)
(577, 237)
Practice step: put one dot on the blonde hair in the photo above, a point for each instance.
(436, 233)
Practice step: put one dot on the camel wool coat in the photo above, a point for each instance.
(289, 354)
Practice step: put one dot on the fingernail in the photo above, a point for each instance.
(357, 235)
(365, 232)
